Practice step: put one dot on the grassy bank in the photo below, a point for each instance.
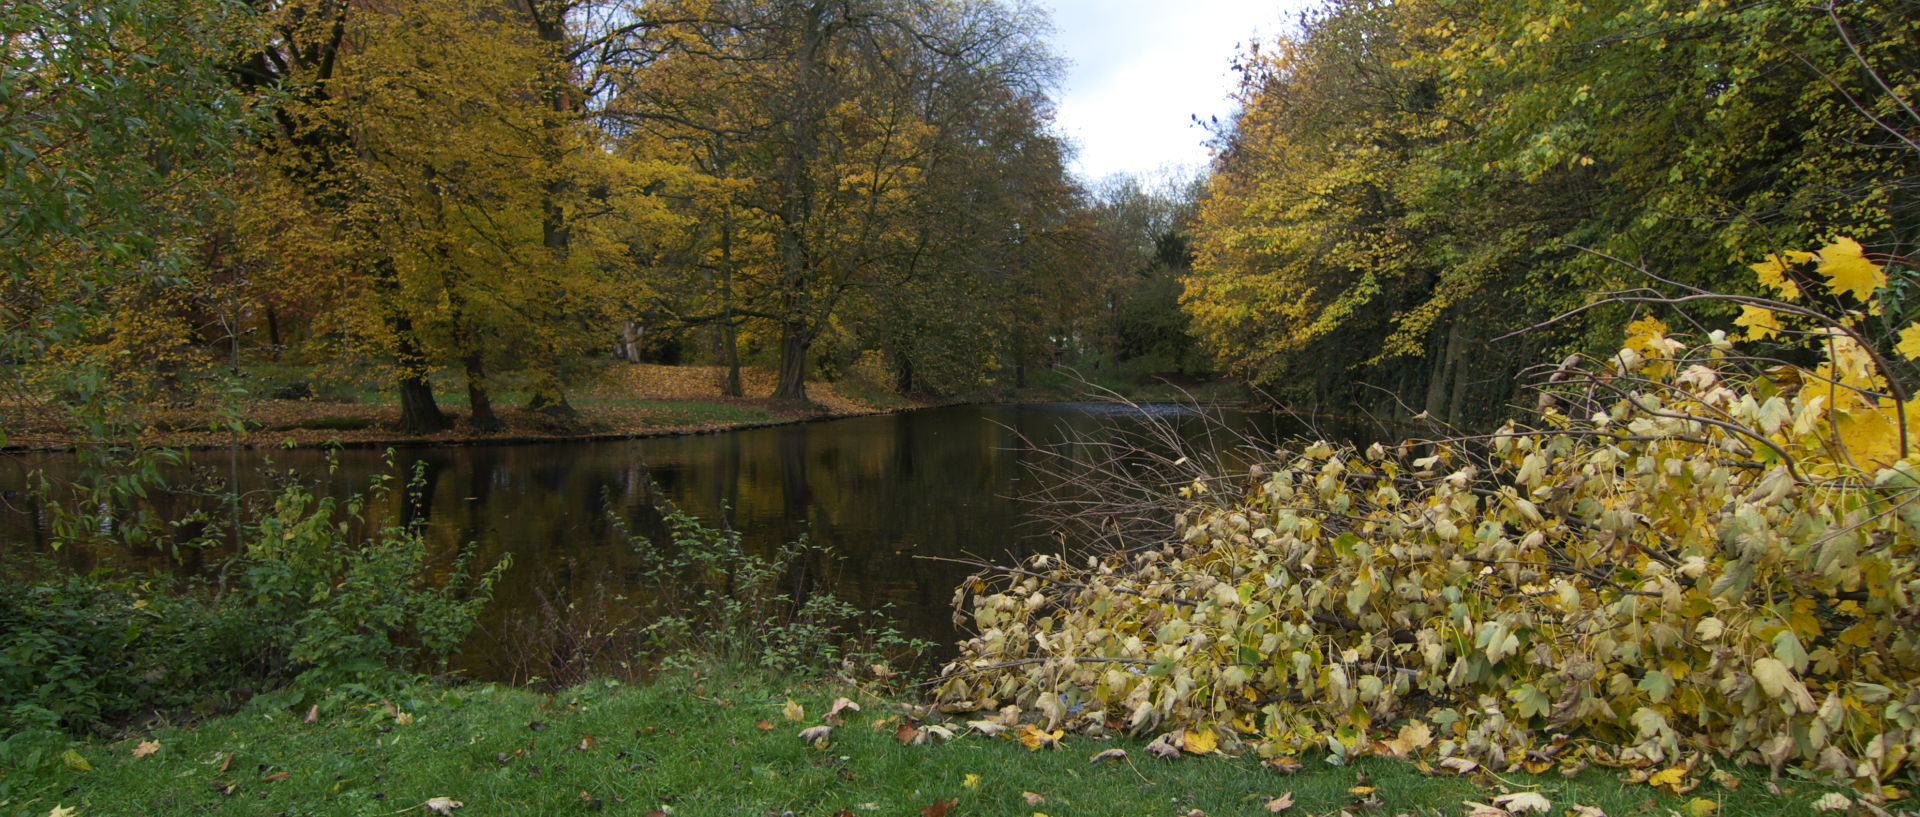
(687, 745)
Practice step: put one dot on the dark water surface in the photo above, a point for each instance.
(877, 490)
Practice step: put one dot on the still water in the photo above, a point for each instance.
(878, 491)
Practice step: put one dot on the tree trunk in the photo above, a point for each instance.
(477, 399)
(273, 334)
(792, 385)
(419, 414)
(730, 349)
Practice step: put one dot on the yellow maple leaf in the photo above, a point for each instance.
(1909, 346)
(972, 781)
(1200, 742)
(1847, 270)
(1760, 322)
(1773, 273)
(1670, 776)
(1033, 737)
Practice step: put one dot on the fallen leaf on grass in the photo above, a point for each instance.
(1523, 802)
(1672, 779)
(1033, 737)
(591, 802)
(313, 713)
(1833, 801)
(1033, 799)
(1110, 754)
(988, 728)
(146, 747)
(276, 777)
(906, 733)
(1484, 810)
(60, 811)
(972, 781)
(587, 743)
(842, 705)
(1702, 807)
(1585, 811)
(1458, 765)
(1284, 764)
(1413, 737)
(442, 805)
(1199, 742)
(75, 762)
(764, 725)
(1280, 804)
(794, 711)
(1166, 745)
(939, 808)
(816, 735)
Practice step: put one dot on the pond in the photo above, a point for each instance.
(880, 491)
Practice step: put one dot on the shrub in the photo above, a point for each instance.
(310, 606)
(1686, 558)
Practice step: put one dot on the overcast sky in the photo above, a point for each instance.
(1140, 70)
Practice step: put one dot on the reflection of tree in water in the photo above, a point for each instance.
(878, 491)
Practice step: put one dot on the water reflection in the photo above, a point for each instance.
(878, 491)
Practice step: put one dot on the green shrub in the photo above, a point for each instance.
(308, 606)
(712, 599)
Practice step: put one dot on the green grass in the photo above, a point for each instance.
(695, 745)
(694, 412)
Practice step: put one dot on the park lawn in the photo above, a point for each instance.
(686, 745)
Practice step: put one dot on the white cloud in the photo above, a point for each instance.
(1141, 70)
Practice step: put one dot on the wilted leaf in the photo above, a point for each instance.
(1165, 746)
(939, 808)
(313, 713)
(1523, 802)
(1458, 765)
(1484, 810)
(816, 734)
(1702, 807)
(842, 705)
(1670, 777)
(1280, 804)
(1585, 811)
(1284, 764)
(1110, 754)
(146, 747)
(794, 711)
(1412, 738)
(906, 733)
(276, 777)
(937, 731)
(60, 811)
(764, 725)
(988, 728)
(1833, 801)
(442, 805)
(1033, 799)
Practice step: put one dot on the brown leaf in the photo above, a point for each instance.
(146, 747)
(1033, 799)
(1284, 764)
(845, 812)
(939, 808)
(764, 725)
(226, 762)
(442, 805)
(276, 777)
(313, 713)
(842, 705)
(587, 743)
(816, 734)
(1281, 803)
(905, 733)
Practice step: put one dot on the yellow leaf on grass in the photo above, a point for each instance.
(793, 711)
(146, 747)
(1670, 776)
(972, 781)
(1760, 322)
(1200, 742)
(75, 762)
(1702, 807)
(1033, 737)
(60, 811)
(1847, 269)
